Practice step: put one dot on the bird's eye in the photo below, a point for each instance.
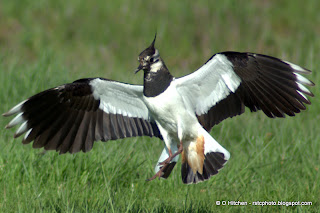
(151, 60)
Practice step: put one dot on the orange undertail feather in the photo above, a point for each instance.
(199, 164)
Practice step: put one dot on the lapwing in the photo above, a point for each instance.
(180, 111)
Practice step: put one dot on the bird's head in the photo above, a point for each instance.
(149, 59)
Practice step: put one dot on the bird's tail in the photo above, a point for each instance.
(202, 158)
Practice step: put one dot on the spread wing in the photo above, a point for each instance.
(69, 118)
(229, 81)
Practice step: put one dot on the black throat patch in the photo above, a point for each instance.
(156, 82)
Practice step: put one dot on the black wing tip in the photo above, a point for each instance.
(233, 55)
(279, 78)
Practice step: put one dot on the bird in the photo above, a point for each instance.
(179, 111)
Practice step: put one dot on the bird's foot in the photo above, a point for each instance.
(159, 173)
(171, 156)
(166, 162)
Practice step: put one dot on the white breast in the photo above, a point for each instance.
(170, 111)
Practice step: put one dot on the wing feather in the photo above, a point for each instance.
(69, 118)
(229, 81)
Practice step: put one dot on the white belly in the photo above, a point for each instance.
(172, 115)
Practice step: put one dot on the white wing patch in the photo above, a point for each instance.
(210, 84)
(119, 98)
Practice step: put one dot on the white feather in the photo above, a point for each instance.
(303, 89)
(297, 68)
(17, 120)
(303, 80)
(120, 98)
(302, 95)
(211, 145)
(15, 109)
(22, 129)
(155, 67)
(210, 84)
(27, 134)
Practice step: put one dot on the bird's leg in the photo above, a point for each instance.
(166, 162)
(169, 159)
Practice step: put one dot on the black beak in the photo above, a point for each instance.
(140, 67)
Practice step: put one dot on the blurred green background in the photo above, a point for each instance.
(48, 43)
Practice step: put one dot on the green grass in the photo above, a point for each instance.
(44, 44)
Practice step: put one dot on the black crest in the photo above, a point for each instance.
(150, 50)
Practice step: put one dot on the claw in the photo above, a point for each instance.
(158, 174)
